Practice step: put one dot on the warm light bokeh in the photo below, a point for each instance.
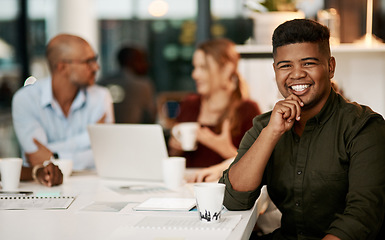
(158, 8)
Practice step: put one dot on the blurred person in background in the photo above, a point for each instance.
(131, 89)
(220, 106)
(51, 116)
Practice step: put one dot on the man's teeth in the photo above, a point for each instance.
(299, 88)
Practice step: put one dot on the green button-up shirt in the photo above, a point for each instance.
(329, 180)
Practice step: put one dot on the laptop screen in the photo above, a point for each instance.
(128, 151)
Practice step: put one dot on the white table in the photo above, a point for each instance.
(75, 223)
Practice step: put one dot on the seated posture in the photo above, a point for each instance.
(321, 157)
(220, 107)
(51, 116)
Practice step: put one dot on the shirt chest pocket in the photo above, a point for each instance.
(329, 189)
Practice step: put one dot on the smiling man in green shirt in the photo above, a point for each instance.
(321, 157)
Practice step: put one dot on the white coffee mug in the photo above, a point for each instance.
(10, 169)
(173, 171)
(209, 197)
(65, 166)
(186, 134)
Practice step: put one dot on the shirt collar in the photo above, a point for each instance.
(46, 93)
(80, 99)
(48, 100)
(328, 109)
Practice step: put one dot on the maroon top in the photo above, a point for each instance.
(204, 156)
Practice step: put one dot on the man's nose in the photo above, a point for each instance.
(95, 66)
(297, 72)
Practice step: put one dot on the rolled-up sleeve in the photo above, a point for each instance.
(235, 200)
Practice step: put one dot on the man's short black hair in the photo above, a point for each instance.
(301, 31)
(126, 55)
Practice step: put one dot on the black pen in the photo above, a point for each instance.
(15, 193)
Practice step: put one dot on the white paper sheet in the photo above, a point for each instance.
(166, 204)
(227, 223)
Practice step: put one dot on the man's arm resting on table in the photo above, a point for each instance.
(26, 174)
(49, 175)
(253, 163)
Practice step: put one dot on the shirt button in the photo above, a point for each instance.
(299, 172)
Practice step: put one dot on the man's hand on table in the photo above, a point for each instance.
(49, 175)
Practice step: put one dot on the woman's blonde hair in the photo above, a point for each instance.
(223, 51)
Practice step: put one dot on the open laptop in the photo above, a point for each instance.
(128, 151)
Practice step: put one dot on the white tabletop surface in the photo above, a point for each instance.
(76, 223)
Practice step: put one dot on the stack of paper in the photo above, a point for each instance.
(166, 204)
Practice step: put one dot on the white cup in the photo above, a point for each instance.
(209, 197)
(173, 171)
(186, 134)
(10, 169)
(65, 166)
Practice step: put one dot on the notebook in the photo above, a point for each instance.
(128, 151)
(34, 202)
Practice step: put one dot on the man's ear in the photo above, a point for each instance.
(332, 67)
(60, 66)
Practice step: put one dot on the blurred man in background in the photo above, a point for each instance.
(51, 116)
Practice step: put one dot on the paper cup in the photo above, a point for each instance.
(186, 134)
(10, 169)
(209, 197)
(173, 171)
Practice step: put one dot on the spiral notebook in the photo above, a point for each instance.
(34, 202)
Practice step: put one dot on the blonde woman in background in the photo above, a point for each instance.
(220, 106)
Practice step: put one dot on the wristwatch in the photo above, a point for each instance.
(34, 171)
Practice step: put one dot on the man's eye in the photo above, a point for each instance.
(284, 66)
(309, 63)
